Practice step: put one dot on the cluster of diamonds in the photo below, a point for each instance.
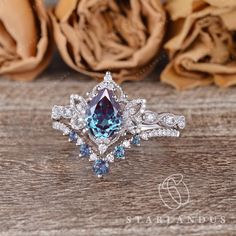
(106, 123)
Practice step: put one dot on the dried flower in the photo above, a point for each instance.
(98, 35)
(203, 48)
(24, 40)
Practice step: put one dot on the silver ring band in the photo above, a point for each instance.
(106, 123)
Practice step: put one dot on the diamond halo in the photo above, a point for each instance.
(106, 123)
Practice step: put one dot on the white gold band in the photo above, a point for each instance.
(107, 118)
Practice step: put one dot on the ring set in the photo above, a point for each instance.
(106, 123)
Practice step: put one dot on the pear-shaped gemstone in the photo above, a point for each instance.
(104, 115)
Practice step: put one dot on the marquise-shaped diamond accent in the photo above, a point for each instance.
(103, 116)
(108, 119)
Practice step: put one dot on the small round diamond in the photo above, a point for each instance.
(164, 132)
(132, 111)
(181, 122)
(144, 136)
(126, 143)
(102, 148)
(169, 120)
(149, 117)
(67, 112)
(79, 141)
(56, 112)
(77, 123)
(80, 107)
(110, 86)
(108, 77)
(110, 157)
(93, 157)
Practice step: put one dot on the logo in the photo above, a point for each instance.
(174, 192)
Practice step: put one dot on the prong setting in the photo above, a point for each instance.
(137, 124)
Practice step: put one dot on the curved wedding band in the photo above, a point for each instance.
(106, 123)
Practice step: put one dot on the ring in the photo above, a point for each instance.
(106, 123)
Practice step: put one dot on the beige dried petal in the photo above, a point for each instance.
(64, 9)
(182, 8)
(94, 36)
(204, 49)
(25, 45)
(222, 3)
(181, 82)
(13, 21)
(7, 42)
(229, 19)
(225, 81)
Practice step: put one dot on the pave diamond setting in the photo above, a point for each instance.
(106, 124)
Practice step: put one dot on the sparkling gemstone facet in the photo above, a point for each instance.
(84, 150)
(119, 152)
(93, 157)
(104, 115)
(73, 136)
(102, 148)
(126, 143)
(110, 157)
(136, 140)
(100, 167)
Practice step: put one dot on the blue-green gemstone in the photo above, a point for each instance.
(84, 150)
(119, 152)
(103, 116)
(100, 167)
(136, 140)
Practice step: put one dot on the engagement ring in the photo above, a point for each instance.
(106, 123)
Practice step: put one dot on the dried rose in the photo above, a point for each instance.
(98, 35)
(24, 39)
(203, 48)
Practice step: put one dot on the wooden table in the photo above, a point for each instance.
(46, 189)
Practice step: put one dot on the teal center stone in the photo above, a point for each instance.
(103, 116)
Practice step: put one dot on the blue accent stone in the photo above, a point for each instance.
(84, 150)
(100, 167)
(119, 152)
(136, 140)
(73, 136)
(103, 116)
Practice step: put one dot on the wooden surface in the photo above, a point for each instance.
(45, 189)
